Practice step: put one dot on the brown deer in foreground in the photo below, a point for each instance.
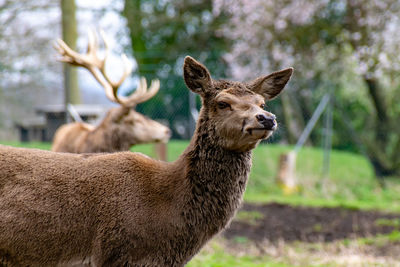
(122, 127)
(125, 209)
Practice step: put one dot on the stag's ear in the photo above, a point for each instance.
(119, 113)
(271, 85)
(197, 76)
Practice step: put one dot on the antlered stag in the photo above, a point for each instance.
(122, 127)
(125, 209)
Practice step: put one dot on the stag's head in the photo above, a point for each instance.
(235, 112)
(133, 126)
(136, 128)
(140, 129)
(125, 123)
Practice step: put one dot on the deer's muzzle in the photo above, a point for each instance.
(267, 122)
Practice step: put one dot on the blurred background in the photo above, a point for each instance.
(346, 59)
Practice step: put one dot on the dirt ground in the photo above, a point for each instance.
(307, 224)
(307, 236)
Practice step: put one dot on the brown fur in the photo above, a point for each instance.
(125, 209)
(120, 129)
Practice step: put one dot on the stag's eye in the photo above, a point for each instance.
(223, 105)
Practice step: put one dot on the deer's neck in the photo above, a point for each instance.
(217, 179)
(106, 138)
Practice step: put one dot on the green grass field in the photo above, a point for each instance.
(351, 184)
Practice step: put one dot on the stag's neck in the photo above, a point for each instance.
(217, 180)
(106, 139)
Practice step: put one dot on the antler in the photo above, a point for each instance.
(96, 66)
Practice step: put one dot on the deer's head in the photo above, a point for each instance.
(134, 128)
(235, 112)
(127, 125)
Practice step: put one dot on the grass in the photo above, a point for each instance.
(215, 255)
(38, 145)
(381, 250)
(388, 222)
(381, 239)
(250, 217)
(351, 183)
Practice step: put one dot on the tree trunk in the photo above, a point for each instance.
(381, 170)
(69, 33)
(382, 118)
(384, 163)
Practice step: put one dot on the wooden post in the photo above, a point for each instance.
(286, 177)
(161, 151)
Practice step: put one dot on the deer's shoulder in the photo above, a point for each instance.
(124, 160)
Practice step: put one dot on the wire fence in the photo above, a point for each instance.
(173, 106)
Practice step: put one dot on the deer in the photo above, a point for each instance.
(126, 209)
(122, 127)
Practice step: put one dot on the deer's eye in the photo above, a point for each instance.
(223, 105)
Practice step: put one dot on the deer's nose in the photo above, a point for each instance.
(267, 121)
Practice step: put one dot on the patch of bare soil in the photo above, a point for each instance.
(305, 236)
(276, 222)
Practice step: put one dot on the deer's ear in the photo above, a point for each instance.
(271, 85)
(119, 113)
(196, 75)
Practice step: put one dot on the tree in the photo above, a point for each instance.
(69, 32)
(342, 44)
(162, 34)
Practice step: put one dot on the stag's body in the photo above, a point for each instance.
(125, 209)
(118, 131)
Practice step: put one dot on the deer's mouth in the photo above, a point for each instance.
(260, 132)
(257, 130)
